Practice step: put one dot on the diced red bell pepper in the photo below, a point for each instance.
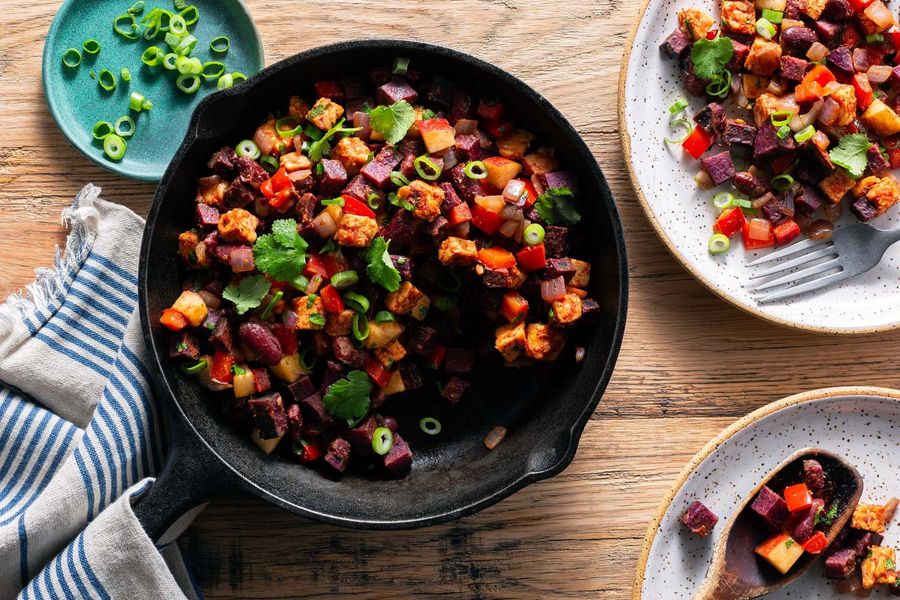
(820, 74)
(377, 371)
(514, 307)
(283, 200)
(222, 365)
(356, 207)
(532, 193)
(496, 258)
(266, 188)
(698, 142)
(711, 34)
(490, 109)
(280, 180)
(863, 89)
(730, 222)
(532, 258)
(315, 266)
(809, 92)
(173, 319)
(751, 244)
(798, 497)
(485, 220)
(498, 128)
(894, 157)
(816, 544)
(436, 358)
(328, 89)
(261, 379)
(786, 231)
(331, 299)
(307, 451)
(860, 5)
(459, 214)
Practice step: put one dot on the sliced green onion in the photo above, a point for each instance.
(475, 169)
(533, 234)
(805, 134)
(238, 77)
(308, 359)
(678, 106)
(719, 243)
(741, 203)
(722, 200)
(91, 46)
(332, 202)
(720, 86)
(186, 45)
(271, 305)
(444, 303)
(269, 163)
(401, 66)
(102, 129)
(680, 123)
(193, 369)
(360, 326)
(136, 101)
(177, 25)
(179, 4)
(344, 279)
(183, 65)
(71, 58)
(430, 425)
(125, 127)
(190, 14)
(374, 201)
(299, 283)
(187, 83)
(93, 75)
(426, 168)
(783, 132)
(357, 302)
(247, 149)
(384, 316)
(225, 82)
(382, 440)
(220, 44)
(874, 38)
(782, 182)
(765, 28)
(132, 32)
(114, 147)
(772, 16)
(125, 74)
(780, 118)
(399, 179)
(168, 61)
(286, 127)
(152, 56)
(172, 41)
(137, 8)
(196, 66)
(106, 80)
(146, 104)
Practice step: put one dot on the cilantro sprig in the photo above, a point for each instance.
(850, 153)
(348, 398)
(248, 293)
(393, 121)
(381, 268)
(282, 253)
(710, 57)
(557, 205)
(322, 146)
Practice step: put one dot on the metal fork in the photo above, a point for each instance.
(851, 251)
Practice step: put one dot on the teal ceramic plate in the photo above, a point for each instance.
(77, 102)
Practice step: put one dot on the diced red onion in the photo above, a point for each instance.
(821, 140)
(799, 122)
(736, 84)
(210, 299)
(508, 229)
(742, 101)
(315, 282)
(860, 60)
(878, 13)
(483, 139)
(579, 354)
(829, 112)
(241, 259)
(787, 205)
(465, 126)
(324, 225)
(553, 289)
(261, 206)
(513, 190)
(462, 230)
(703, 179)
(289, 318)
(361, 119)
(511, 212)
(879, 73)
(817, 52)
(776, 86)
(449, 158)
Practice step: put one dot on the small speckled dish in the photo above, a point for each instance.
(859, 424)
(77, 102)
(682, 214)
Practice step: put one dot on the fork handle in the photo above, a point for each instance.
(888, 238)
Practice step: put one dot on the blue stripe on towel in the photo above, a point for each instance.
(112, 266)
(88, 571)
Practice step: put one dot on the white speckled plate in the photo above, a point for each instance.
(860, 424)
(682, 214)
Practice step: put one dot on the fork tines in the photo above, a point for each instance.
(807, 259)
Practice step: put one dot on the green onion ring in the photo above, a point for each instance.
(193, 369)
(186, 45)
(332, 201)
(344, 279)
(401, 66)
(426, 168)
(308, 359)
(168, 61)
(183, 65)
(106, 80)
(680, 123)
(125, 127)
(194, 13)
(125, 74)
(360, 326)
(71, 58)
(782, 182)
(196, 67)
(146, 104)
(217, 74)
(357, 302)
(269, 163)
(172, 41)
(179, 4)
(152, 56)
(238, 77)
(281, 123)
(187, 83)
(399, 179)
(247, 149)
(382, 440)
(533, 234)
(805, 134)
(136, 101)
(91, 46)
(168, 16)
(720, 86)
(374, 201)
(430, 425)
(781, 117)
(220, 44)
(225, 82)
(133, 32)
(783, 132)
(114, 147)
(741, 203)
(136, 8)
(102, 129)
(384, 316)
(472, 173)
(719, 244)
(678, 106)
(722, 200)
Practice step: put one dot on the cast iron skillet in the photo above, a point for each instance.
(545, 408)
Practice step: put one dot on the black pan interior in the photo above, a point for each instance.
(453, 474)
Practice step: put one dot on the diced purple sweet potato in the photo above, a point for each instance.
(711, 118)
(206, 215)
(808, 200)
(814, 476)
(860, 541)
(360, 437)
(829, 34)
(338, 454)
(877, 163)
(864, 209)
(719, 167)
(451, 198)
(771, 507)
(768, 145)
(699, 519)
(401, 229)
(420, 339)
(454, 389)
(223, 162)
(813, 164)
(268, 415)
(741, 51)
(184, 345)
(837, 11)
(772, 210)
(467, 187)
(314, 408)
(439, 228)
(797, 40)
(793, 68)
(398, 460)
(411, 377)
(439, 90)
(556, 241)
(805, 524)
(792, 9)
(259, 339)
(748, 183)
(738, 132)
(345, 351)
(358, 187)
(221, 335)
(250, 171)
(841, 564)
(395, 90)
(378, 170)
(294, 421)
(239, 194)
(559, 267)
(306, 207)
(558, 179)
(459, 360)
(468, 147)
(676, 44)
(461, 106)
(333, 176)
(302, 388)
(589, 308)
(841, 60)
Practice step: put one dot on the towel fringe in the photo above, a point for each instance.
(50, 284)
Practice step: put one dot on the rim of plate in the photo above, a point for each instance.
(115, 167)
(725, 435)
(664, 237)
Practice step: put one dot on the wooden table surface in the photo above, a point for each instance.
(690, 364)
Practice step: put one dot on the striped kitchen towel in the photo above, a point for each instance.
(80, 434)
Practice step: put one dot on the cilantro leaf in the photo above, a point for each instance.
(557, 205)
(282, 253)
(348, 398)
(393, 121)
(322, 146)
(248, 293)
(850, 153)
(711, 56)
(381, 268)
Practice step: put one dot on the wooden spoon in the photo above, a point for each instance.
(737, 573)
